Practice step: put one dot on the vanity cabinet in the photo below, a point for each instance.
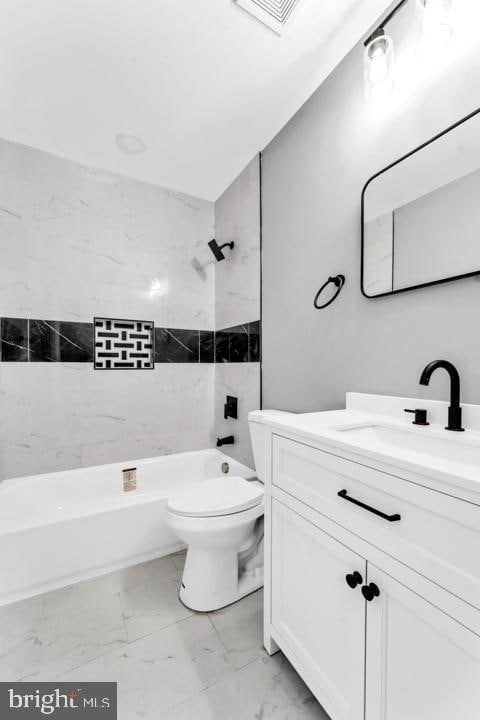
(378, 616)
(314, 610)
(421, 664)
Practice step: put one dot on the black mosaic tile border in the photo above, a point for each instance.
(240, 343)
(31, 340)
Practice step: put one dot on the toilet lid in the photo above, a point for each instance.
(218, 496)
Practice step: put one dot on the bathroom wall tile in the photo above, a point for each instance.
(161, 670)
(61, 415)
(76, 342)
(80, 242)
(243, 381)
(238, 339)
(207, 346)
(176, 346)
(14, 340)
(237, 279)
(60, 341)
(254, 341)
(44, 341)
(222, 346)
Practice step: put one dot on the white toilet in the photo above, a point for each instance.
(221, 522)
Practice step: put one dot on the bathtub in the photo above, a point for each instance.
(59, 528)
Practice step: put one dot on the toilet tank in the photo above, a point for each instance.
(257, 420)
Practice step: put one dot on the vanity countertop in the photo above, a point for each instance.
(377, 428)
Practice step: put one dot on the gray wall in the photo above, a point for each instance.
(313, 174)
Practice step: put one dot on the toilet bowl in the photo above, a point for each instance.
(221, 522)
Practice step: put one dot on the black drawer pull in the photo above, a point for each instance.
(390, 518)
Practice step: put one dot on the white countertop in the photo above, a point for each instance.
(388, 412)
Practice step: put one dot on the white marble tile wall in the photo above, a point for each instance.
(243, 381)
(79, 242)
(59, 416)
(237, 301)
(237, 278)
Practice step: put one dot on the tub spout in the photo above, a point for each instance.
(229, 440)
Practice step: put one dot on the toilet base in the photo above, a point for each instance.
(211, 580)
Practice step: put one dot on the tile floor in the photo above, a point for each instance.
(170, 663)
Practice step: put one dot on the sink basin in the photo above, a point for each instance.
(386, 437)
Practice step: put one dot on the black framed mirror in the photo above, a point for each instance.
(421, 215)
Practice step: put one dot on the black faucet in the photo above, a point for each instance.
(229, 440)
(454, 411)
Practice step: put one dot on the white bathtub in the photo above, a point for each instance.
(59, 528)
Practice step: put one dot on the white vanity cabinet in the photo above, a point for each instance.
(411, 649)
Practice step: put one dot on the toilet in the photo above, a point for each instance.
(221, 522)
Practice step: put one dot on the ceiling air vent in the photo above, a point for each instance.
(276, 14)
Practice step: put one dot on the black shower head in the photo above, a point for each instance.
(217, 249)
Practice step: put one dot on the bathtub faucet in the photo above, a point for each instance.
(229, 440)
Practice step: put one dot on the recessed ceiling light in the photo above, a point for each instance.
(130, 144)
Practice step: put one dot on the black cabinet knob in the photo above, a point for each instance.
(353, 579)
(370, 591)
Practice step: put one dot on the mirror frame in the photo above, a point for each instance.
(385, 169)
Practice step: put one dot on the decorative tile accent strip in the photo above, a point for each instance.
(176, 345)
(123, 344)
(14, 340)
(60, 341)
(24, 340)
(240, 343)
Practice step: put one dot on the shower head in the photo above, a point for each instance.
(217, 249)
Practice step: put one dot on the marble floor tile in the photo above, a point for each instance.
(266, 689)
(158, 672)
(152, 606)
(47, 646)
(89, 591)
(130, 627)
(240, 627)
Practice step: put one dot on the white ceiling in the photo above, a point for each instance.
(201, 82)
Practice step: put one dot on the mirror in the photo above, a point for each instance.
(421, 215)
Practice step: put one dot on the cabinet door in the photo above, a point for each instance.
(421, 664)
(319, 619)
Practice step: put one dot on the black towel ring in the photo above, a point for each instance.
(338, 281)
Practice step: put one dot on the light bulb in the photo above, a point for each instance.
(378, 66)
(435, 31)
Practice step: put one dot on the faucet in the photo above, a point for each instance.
(454, 411)
(229, 440)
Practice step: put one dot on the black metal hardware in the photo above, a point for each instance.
(217, 249)
(390, 518)
(463, 276)
(230, 409)
(353, 579)
(455, 410)
(385, 21)
(370, 591)
(420, 416)
(229, 440)
(338, 281)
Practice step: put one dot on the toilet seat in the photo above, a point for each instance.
(216, 497)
